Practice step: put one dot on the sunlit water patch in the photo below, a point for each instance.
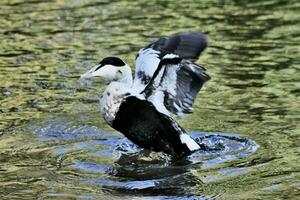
(109, 162)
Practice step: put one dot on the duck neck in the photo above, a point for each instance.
(127, 79)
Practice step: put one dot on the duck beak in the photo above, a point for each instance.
(90, 73)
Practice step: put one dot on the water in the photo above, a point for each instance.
(55, 145)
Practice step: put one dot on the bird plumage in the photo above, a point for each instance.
(182, 79)
(166, 81)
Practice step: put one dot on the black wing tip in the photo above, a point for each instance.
(200, 35)
(197, 41)
(197, 36)
(187, 45)
(203, 75)
(197, 70)
(202, 72)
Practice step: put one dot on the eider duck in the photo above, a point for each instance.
(166, 83)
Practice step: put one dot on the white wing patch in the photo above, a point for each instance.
(146, 64)
(157, 100)
(171, 55)
(190, 143)
(186, 139)
(147, 61)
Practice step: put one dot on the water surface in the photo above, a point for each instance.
(55, 145)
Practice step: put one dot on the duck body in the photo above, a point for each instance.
(166, 82)
(138, 119)
(141, 123)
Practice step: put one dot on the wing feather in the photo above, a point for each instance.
(167, 75)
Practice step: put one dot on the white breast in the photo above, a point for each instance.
(111, 100)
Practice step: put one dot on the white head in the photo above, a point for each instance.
(111, 68)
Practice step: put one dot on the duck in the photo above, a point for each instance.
(165, 85)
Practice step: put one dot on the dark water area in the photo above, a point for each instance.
(55, 145)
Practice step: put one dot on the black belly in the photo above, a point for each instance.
(140, 122)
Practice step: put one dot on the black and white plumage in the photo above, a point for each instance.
(166, 81)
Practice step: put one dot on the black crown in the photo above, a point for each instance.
(115, 61)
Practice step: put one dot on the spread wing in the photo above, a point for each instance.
(174, 85)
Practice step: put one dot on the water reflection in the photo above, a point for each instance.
(252, 59)
(115, 164)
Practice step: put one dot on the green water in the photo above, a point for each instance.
(53, 141)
